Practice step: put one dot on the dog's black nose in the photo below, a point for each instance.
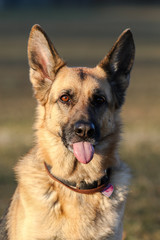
(84, 129)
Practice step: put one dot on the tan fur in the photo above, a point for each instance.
(42, 209)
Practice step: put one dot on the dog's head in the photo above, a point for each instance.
(80, 105)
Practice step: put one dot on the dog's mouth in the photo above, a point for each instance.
(81, 139)
(83, 151)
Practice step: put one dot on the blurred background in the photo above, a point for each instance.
(83, 31)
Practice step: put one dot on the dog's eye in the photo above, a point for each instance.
(65, 98)
(98, 100)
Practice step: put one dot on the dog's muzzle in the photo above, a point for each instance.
(80, 138)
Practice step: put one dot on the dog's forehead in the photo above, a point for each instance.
(85, 74)
(84, 78)
(79, 74)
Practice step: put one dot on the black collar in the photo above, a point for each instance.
(83, 187)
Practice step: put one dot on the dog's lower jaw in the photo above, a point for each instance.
(74, 170)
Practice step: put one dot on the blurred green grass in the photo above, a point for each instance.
(83, 37)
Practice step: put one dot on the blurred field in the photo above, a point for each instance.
(83, 37)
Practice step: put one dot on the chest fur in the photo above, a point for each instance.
(76, 217)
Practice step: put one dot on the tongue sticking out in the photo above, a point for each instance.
(83, 151)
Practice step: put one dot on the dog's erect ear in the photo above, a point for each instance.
(44, 62)
(118, 64)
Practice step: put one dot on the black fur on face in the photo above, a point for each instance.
(118, 89)
(69, 135)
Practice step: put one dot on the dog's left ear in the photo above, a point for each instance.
(118, 64)
(44, 62)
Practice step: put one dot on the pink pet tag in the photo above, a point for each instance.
(108, 190)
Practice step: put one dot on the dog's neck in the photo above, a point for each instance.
(82, 187)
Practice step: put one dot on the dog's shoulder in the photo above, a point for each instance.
(120, 178)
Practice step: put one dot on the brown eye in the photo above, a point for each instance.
(65, 98)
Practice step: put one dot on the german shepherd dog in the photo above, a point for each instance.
(72, 184)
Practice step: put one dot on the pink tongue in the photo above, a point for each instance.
(83, 151)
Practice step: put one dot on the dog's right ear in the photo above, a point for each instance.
(44, 62)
